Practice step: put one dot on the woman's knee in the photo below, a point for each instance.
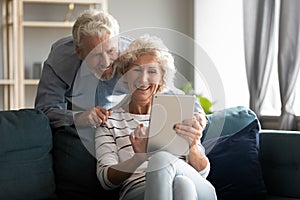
(207, 191)
(184, 188)
(161, 160)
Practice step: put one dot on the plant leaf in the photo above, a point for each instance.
(205, 103)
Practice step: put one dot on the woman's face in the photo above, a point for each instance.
(144, 77)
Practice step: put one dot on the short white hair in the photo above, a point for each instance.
(152, 45)
(94, 22)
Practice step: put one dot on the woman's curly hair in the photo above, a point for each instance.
(145, 45)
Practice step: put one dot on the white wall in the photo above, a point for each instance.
(219, 32)
(172, 20)
(218, 27)
(171, 14)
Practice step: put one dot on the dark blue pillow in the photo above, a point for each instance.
(235, 168)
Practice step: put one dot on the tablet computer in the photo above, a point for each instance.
(166, 111)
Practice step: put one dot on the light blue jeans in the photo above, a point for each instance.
(170, 178)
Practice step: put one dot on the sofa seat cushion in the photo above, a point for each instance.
(75, 165)
(271, 197)
(235, 168)
(25, 155)
(280, 160)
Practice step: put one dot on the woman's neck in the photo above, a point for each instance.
(139, 107)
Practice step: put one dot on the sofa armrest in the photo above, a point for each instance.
(279, 154)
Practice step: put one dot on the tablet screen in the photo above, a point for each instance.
(166, 111)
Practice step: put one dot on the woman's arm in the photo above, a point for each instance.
(118, 173)
(197, 158)
(191, 130)
(111, 172)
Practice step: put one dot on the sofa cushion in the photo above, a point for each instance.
(280, 161)
(25, 155)
(235, 169)
(75, 165)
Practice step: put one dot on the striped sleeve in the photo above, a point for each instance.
(106, 152)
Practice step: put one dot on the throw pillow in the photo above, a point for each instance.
(227, 121)
(235, 168)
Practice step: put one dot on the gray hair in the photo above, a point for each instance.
(91, 22)
(149, 45)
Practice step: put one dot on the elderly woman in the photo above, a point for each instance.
(148, 68)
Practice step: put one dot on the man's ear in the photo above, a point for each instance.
(79, 53)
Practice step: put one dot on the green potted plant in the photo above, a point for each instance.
(204, 102)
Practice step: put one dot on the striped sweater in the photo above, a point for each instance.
(113, 146)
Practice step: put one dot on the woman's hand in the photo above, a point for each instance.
(190, 130)
(139, 139)
(201, 118)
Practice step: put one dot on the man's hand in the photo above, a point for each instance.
(96, 116)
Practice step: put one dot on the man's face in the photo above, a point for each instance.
(99, 52)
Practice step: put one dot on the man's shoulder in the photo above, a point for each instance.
(66, 41)
(63, 53)
(63, 59)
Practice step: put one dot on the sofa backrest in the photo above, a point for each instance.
(25, 155)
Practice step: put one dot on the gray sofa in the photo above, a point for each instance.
(27, 172)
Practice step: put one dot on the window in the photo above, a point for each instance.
(219, 31)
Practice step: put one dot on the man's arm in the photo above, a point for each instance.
(51, 99)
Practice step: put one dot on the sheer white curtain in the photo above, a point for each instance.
(288, 60)
(259, 48)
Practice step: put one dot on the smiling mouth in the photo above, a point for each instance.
(104, 73)
(104, 68)
(144, 87)
(108, 68)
